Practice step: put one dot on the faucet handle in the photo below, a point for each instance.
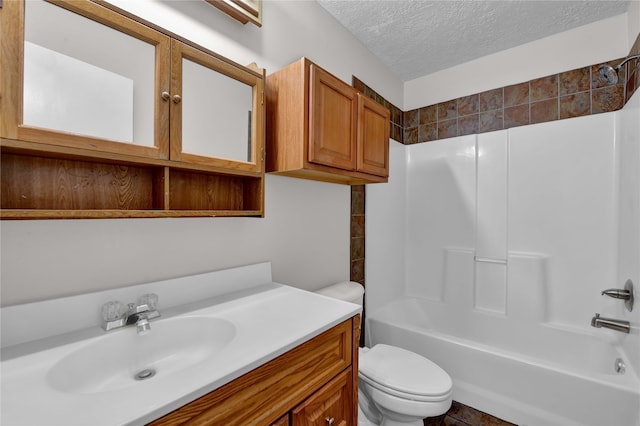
(112, 311)
(625, 294)
(151, 300)
(617, 293)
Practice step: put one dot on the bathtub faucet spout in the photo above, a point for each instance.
(613, 324)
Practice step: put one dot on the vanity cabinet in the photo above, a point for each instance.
(314, 383)
(106, 115)
(283, 421)
(323, 129)
(331, 405)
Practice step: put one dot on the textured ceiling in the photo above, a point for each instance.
(417, 37)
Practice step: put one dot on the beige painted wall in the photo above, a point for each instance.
(306, 231)
(569, 50)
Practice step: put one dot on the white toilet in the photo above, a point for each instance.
(396, 387)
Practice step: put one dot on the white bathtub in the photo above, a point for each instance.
(529, 374)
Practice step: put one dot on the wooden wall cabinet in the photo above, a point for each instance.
(323, 129)
(62, 172)
(311, 384)
(241, 10)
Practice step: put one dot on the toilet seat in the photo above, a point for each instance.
(404, 374)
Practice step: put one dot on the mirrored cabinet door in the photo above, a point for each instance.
(216, 111)
(104, 114)
(90, 79)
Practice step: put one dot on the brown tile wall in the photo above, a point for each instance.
(357, 242)
(568, 94)
(357, 233)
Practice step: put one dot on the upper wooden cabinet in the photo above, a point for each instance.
(103, 114)
(373, 137)
(323, 129)
(216, 111)
(78, 75)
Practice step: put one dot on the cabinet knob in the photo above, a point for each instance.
(330, 421)
(165, 96)
(177, 99)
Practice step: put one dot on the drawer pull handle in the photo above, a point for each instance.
(330, 421)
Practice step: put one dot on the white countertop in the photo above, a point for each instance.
(269, 320)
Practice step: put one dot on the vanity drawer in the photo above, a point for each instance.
(263, 395)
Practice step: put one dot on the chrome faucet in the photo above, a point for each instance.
(115, 315)
(625, 294)
(613, 324)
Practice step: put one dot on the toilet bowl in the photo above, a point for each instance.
(399, 387)
(396, 387)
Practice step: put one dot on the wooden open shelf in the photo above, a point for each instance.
(199, 191)
(46, 186)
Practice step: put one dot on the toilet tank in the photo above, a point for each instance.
(348, 291)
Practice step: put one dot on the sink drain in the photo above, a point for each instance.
(145, 374)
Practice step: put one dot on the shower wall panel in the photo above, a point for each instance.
(385, 230)
(490, 293)
(441, 201)
(628, 267)
(526, 216)
(491, 214)
(562, 205)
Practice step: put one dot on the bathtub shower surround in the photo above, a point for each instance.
(628, 241)
(509, 239)
(513, 221)
(559, 96)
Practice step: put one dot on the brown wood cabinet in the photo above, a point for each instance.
(311, 384)
(373, 137)
(323, 129)
(62, 172)
(283, 421)
(331, 405)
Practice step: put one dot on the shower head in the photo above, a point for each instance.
(609, 74)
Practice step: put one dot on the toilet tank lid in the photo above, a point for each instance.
(349, 291)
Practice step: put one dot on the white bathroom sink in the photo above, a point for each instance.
(87, 377)
(121, 359)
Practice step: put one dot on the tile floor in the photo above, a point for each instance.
(462, 415)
